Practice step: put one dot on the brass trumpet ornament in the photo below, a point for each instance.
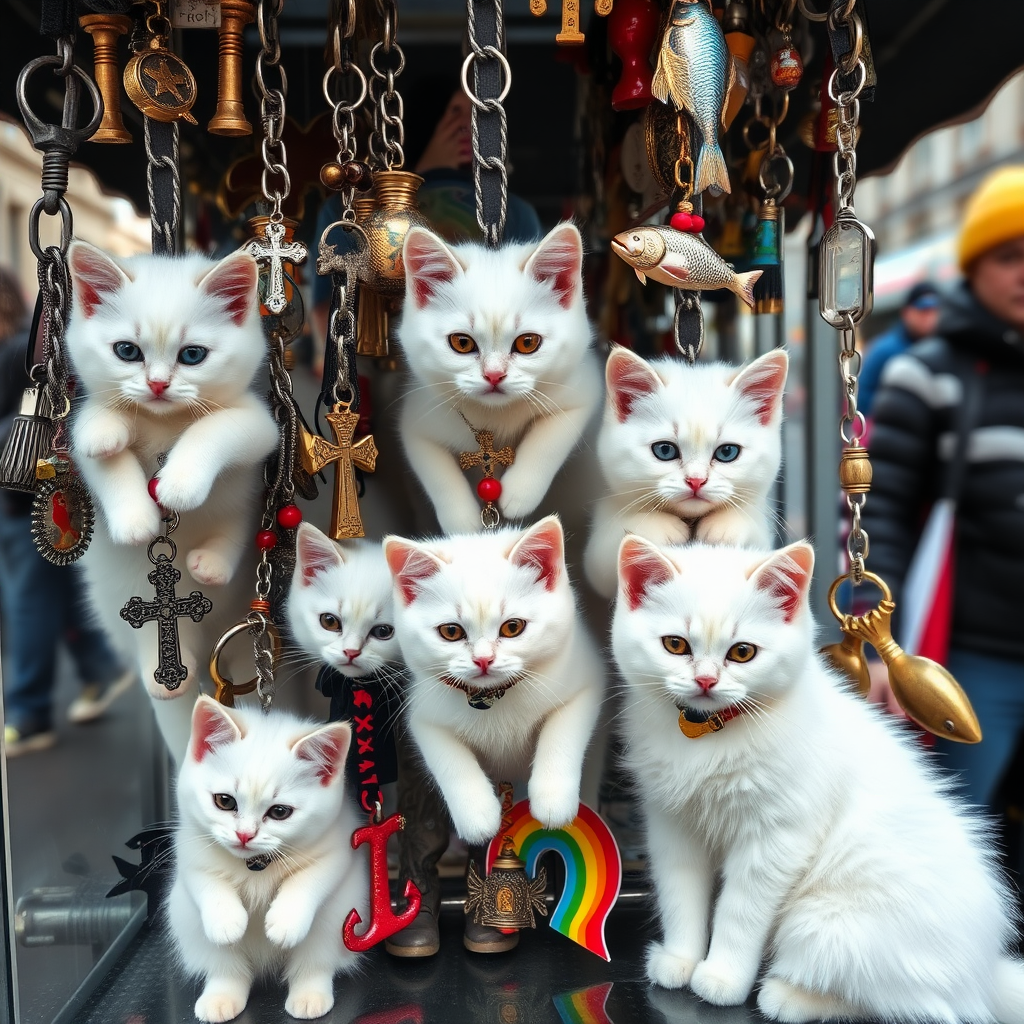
(929, 695)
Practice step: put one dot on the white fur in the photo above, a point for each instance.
(231, 925)
(350, 581)
(213, 430)
(540, 728)
(546, 397)
(846, 866)
(697, 408)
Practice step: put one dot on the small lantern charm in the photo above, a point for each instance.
(506, 898)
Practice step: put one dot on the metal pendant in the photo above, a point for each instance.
(506, 898)
(160, 84)
(62, 512)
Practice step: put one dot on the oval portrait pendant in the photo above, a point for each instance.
(62, 513)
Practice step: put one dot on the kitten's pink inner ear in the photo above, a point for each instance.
(316, 554)
(628, 378)
(559, 260)
(94, 276)
(326, 749)
(211, 727)
(234, 282)
(542, 550)
(641, 568)
(409, 566)
(429, 263)
(786, 576)
(763, 383)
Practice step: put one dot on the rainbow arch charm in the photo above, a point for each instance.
(593, 870)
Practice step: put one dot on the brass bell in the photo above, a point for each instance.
(229, 117)
(386, 225)
(506, 898)
(105, 30)
(847, 657)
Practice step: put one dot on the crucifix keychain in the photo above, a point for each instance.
(489, 488)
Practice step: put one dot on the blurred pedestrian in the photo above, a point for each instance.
(967, 382)
(41, 604)
(918, 319)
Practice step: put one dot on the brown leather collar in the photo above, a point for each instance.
(694, 724)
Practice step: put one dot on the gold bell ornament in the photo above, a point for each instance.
(229, 117)
(105, 30)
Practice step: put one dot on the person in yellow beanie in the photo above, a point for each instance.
(949, 425)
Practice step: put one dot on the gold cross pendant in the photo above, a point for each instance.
(316, 452)
(486, 456)
(571, 34)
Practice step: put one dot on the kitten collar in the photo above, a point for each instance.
(261, 861)
(478, 698)
(693, 723)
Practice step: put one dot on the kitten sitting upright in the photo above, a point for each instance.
(795, 831)
(688, 452)
(496, 340)
(504, 684)
(264, 876)
(166, 349)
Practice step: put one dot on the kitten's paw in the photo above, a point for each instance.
(102, 440)
(478, 818)
(520, 495)
(731, 526)
(225, 921)
(180, 488)
(134, 523)
(286, 925)
(208, 567)
(667, 969)
(307, 1003)
(720, 983)
(779, 1000)
(553, 803)
(220, 1004)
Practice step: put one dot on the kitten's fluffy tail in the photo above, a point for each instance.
(1009, 991)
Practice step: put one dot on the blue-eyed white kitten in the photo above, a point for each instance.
(264, 876)
(498, 338)
(687, 452)
(165, 350)
(490, 619)
(340, 608)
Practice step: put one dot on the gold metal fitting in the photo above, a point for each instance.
(229, 117)
(225, 690)
(105, 30)
(855, 470)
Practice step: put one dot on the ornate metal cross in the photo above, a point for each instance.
(486, 457)
(166, 610)
(316, 452)
(273, 253)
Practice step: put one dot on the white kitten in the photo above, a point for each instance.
(501, 337)
(845, 864)
(688, 452)
(490, 618)
(340, 608)
(166, 350)
(264, 789)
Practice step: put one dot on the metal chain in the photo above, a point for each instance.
(167, 231)
(338, 92)
(275, 182)
(494, 166)
(387, 62)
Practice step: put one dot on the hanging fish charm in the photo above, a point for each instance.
(695, 71)
(680, 259)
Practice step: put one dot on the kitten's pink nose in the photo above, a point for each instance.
(244, 837)
(695, 483)
(158, 387)
(484, 663)
(353, 653)
(494, 377)
(706, 682)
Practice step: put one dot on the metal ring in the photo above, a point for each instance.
(859, 427)
(33, 123)
(809, 14)
(495, 54)
(66, 228)
(776, 191)
(762, 119)
(155, 543)
(226, 689)
(870, 577)
(338, 105)
(847, 97)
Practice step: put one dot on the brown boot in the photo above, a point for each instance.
(420, 845)
(481, 938)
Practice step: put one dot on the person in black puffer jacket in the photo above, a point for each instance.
(916, 417)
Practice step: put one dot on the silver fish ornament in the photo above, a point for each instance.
(681, 260)
(695, 70)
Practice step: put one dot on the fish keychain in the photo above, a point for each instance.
(695, 71)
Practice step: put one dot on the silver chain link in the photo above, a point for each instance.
(387, 62)
(338, 92)
(275, 182)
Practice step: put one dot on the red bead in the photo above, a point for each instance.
(289, 516)
(266, 539)
(489, 489)
(681, 221)
(151, 487)
(696, 222)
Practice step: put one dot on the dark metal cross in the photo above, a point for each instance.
(274, 253)
(166, 610)
(486, 456)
